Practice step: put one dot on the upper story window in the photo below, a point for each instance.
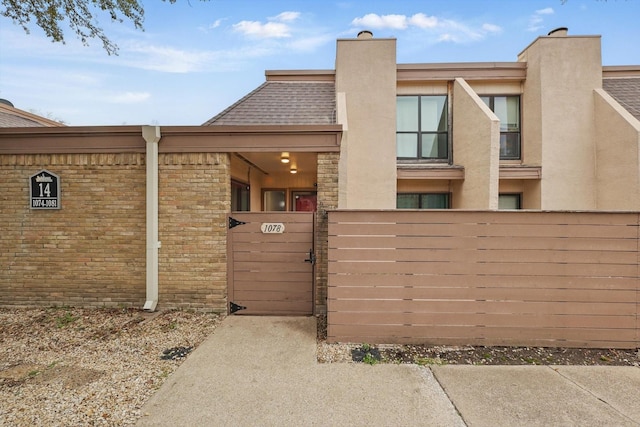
(507, 108)
(422, 127)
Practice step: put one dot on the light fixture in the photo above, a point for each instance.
(284, 158)
(293, 169)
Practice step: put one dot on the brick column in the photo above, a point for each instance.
(327, 200)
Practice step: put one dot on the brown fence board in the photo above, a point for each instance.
(464, 277)
(466, 280)
(488, 294)
(464, 267)
(483, 319)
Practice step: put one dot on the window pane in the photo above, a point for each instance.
(509, 145)
(407, 145)
(407, 201)
(509, 201)
(434, 113)
(239, 196)
(407, 113)
(435, 201)
(507, 108)
(434, 146)
(274, 200)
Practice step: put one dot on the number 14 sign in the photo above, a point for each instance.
(45, 190)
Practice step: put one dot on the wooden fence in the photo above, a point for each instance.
(548, 279)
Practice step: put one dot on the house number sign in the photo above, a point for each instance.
(44, 189)
(272, 228)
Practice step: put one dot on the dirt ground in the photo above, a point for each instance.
(470, 355)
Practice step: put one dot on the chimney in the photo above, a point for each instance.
(558, 32)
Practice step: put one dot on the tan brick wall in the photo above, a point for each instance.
(327, 200)
(195, 196)
(92, 251)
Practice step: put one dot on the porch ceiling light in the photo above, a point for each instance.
(284, 158)
(293, 169)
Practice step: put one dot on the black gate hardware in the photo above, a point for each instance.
(234, 222)
(312, 257)
(235, 307)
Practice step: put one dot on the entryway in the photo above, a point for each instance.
(270, 263)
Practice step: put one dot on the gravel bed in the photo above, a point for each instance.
(468, 355)
(90, 367)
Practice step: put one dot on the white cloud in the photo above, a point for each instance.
(275, 29)
(545, 11)
(536, 20)
(443, 30)
(421, 20)
(267, 30)
(491, 28)
(396, 22)
(128, 97)
(286, 17)
(166, 59)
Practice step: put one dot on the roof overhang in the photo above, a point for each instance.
(175, 139)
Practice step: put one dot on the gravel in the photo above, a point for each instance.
(68, 366)
(97, 367)
(469, 355)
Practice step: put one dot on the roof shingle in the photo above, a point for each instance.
(282, 103)
(626, 91)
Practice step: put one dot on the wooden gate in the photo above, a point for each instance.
(271, 263)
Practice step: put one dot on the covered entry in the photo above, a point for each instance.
(271, 260)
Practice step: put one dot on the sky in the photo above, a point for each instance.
(195, 58)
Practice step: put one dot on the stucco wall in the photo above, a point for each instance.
(476, 131)
(558, 118)
(618, 155)
(368, 149)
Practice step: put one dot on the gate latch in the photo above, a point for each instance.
(235, 307)
(312, 257)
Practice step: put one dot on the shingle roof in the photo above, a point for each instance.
(14, 117)
(282, 103)
(626, 91)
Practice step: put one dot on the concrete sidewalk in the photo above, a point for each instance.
(262, 371)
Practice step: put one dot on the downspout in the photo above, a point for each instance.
(151, 135)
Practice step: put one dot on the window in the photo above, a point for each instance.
(507, 108)
(422, 201)
(509, 201)
(239, 196)
(422, 127)
(274, 200)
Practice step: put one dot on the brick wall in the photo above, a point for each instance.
(327, 200)
(92, 251)
(195, 196)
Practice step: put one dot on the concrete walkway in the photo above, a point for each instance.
(262, 371)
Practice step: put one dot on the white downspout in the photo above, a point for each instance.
(151, 135)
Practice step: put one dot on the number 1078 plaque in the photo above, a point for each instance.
(45, 190)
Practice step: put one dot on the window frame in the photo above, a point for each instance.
(519, 132)
(420, 200)
(519, 200)
(239, 188)
(419, 133)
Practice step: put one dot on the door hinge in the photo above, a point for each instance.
(234, 222)
(233, 307)
(312, 257)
